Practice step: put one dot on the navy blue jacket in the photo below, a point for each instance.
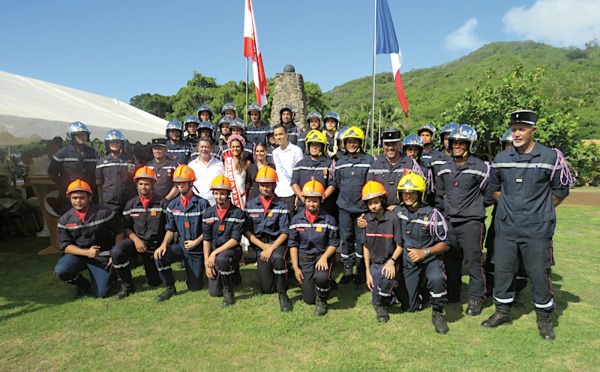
(179, 152)
(164, 175)
(187, 222)
(67, 165)
(525, 209)
(219, 232)
(389, 176)
(255, 135)
(115, 175)
(267, 228)
(308, 169)
(313, 239)
(147, 224)
(350, 177)
(381, 236)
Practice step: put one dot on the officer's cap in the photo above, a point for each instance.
(523, 116)
(159, 142)
(391, 135)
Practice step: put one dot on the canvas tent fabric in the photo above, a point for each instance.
(31, 108)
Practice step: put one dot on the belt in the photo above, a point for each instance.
(311, 258)
(379, 262)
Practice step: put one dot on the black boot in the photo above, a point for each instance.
(440, 324)
(284, 303)
(347, 275)
(361, 273)
(321, 308)
(382, 313)
(126, 290)
(518, 302)
(83, 287)
(500, 317)
(474, 307)
(544, 322)
(169, 292)
(228, 296)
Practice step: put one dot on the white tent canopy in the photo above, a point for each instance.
(30, 107)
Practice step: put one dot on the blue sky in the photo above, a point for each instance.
(123, 48)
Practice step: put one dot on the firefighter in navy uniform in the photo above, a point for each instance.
(257, 130)
(412, 147)
(382, 241)
(114, 173)
(144, 219)
(223, 133)
(164, 168)
(314, 120)
(204, 113)
(350, 177)
(238, 126)
(332, 124)
(184, 218)
(272, 144)
(315, 166)
(463, 185)
(427, 135)
(267, 221)
(177, 148)
(313, 240)
(286, 117)
(190, 125)
(437, 161)
(222, 227)
(72, 162)
(529, 180)
(86, 234)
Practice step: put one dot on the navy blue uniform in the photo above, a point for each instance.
(428, 156)
(179, 151)
(66, 166)
(321, 170)
(380, 237)
(187, 223)
(219, 232)
(350, 177)
(525, 221)
(164, 176)
(148, 224)
(294, 132)
(435, 165)
(466, 194)
(312, 240)
(115, 175)
(390, 175)
(192, 141)
(255, 135)
(100, 228)
(267, 226)
(421, 230)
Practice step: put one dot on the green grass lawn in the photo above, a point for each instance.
(43, 328)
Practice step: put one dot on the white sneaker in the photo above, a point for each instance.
(45, 233)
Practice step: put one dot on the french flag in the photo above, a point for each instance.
(388, 44)
(251, 50)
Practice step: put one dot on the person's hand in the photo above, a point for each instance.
(299, 276)
(322, 264)
(361, 222)
(109, 266)
(416, 254)
(389, 271)
(370, 283)
(210, 266)
(93, 252)
(160, 252)
(190, 244)
(140, 246)
(391, 208)
(265, 255)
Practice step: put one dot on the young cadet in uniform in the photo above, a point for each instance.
(382, 246)
(412, 147)
(266, 228)
(272, 143)
(164, 168)
(86, 234)
(224, 132)
(313, 241)
(315, 166)
(437, 161)
(177, 148)
(389, 169)
(184, 218)
(424, 232)
(340, 150)
(463, 185)
(238, 126)
(427, 134)
(286, 117)
(74, 161)
(144, 220)
(191, 124)
(204, 113)
(332, 123)
(257, 130)
(350, 177)
(114, 173)
(529, 180)
(314, 120)
(222, 227)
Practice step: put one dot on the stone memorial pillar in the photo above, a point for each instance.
(289, 89)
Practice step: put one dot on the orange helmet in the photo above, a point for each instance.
(221, 183)
(79, 185)
(266, 175)
(372, 190)
(313, 188)
(183, 173)
(145, 172)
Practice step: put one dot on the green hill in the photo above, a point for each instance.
(570, 72)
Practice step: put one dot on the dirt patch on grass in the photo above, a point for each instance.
(584, 196)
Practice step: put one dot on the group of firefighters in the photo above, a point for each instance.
(406, 221)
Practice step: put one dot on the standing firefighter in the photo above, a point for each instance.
(164, 168)
(313, 241)
(257, 130)
(177, 148)
(286, 117)
(314, 120)
(267, 224)
(529, 180)
(427, 134)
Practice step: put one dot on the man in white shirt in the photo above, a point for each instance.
(39, 166)
(206, 168)
(285, 158)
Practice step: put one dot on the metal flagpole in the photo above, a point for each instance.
(374, 54)
(246, 116)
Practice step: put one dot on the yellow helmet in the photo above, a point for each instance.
(412, 182)
(316, 136)
(354, 132)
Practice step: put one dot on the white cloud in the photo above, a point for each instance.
(464, 37)
(558, 22)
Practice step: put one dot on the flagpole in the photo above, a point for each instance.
(247, 72)
(374, 54)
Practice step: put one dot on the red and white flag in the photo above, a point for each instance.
(251, 50)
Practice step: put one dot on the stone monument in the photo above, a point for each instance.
(289, 89)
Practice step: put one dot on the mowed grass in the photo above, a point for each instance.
(43, 328)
